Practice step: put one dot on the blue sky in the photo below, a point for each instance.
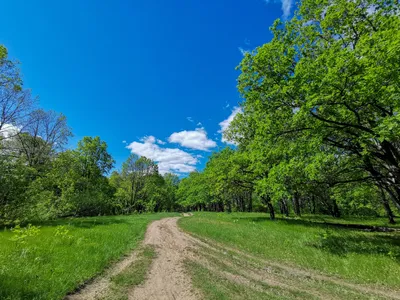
(154, 77)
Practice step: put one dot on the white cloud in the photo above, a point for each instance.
(286, 7)
(9, 130)
(195, 139)
(148, 139)
(168, 159)
(190, 119)
(225, 124)
(160, 142)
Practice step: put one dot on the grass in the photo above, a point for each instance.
(64, 254)
(358, 256)
(227, 274)
(216, 287)
(346, 220)
(132, 276)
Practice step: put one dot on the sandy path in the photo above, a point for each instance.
(167, 278)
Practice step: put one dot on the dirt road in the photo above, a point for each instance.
(167, 278)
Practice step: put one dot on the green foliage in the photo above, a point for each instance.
(319, 127)
(327, 84)
(65, 254)
(139, 187)
(22, 233)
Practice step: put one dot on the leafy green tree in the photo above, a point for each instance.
(93, 157)
(135, 171)
(77, 180)
(171, 182)
(328, 80)
(193, 192)
(15, 177)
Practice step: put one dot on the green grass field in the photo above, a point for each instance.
(357, 256)
(64, 254)
(347, 220)
(54, 260)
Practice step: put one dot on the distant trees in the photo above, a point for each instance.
(139, 186)
(39, 179)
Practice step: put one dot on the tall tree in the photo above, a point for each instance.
(45, 133)
(330, 77)
(16, 103)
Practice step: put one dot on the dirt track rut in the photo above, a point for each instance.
(167, 278)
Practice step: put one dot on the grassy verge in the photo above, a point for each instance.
(59, 257)
(132, 276)
(362, 257)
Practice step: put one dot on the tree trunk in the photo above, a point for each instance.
(296, 204)
(271, 210)
(335, 210)
(393, 197)
(250, 206)
(284, 208)
(386, 205)
(313, 204)
(267, 200)
(228, 206)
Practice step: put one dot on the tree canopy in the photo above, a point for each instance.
(318, 132)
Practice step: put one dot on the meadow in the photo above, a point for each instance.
(50, 260)
(359, 256)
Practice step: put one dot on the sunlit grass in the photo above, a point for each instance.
(135, 274)
(365, 257)
(215, 287)
(59, 259)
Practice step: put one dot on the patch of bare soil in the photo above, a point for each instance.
(167, 278)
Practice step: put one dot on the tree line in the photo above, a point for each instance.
(319, 130)
(41, 180)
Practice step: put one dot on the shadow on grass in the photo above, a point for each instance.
(320, 223)
(346, 238)
(84, 222)
(387, 245)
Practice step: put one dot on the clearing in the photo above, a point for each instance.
(203, 265)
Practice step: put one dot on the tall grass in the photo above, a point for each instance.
(364, 257)
(64, 254)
